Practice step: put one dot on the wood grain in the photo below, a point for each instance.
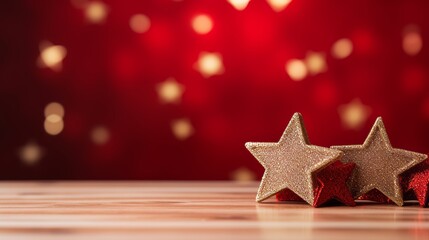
(189, 210)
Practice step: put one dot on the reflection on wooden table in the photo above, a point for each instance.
(189, 210)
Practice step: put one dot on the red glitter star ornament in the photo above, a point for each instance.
(288, 195)
(331, 184)
(376, 196)
(417, 180)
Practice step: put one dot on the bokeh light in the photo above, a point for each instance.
(412, 42)
(51, 56)
(54, 124)
(100, 135)
(239, 4)
(210, 64)
(202, 24)
(31, 153)
(354, 114)
(316, 62)
(182, 128)
(279, 5)
(54, 108)
(140, 23)
(96, 12)
(243, 174)
(170, 91)
(296, 69)
(342, 48)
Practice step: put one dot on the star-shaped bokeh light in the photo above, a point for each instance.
(52, 56)
(279, 5)
(239, 4)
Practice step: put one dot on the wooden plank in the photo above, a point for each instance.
(189, 210)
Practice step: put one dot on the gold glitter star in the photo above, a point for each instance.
(291, 162)
(378, 164)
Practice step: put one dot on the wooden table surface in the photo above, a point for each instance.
(189, 210)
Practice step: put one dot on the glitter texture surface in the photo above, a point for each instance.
(287, 195)
(376, 196)
(291, 162)
(378, 164)
(417, 180)
(331, 184)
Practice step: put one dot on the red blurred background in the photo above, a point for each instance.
(164, 89)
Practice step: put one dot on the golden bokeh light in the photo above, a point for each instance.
(239, 4)
(54, 113)
(342, 48)
(182, 128)
(100, 135)
(170, 91)
(296, 69)
(54, 124)
(53, 118)
(51, 56)
(412, 41)
(96, 12)
(140, 23)
(278, 5)
(54, 108)
(210, 64)
(315, 62)
(243, 174)
(354, 114)
(202, 24)
(31, 153)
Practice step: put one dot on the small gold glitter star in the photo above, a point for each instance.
(378, 164)
(291, 162)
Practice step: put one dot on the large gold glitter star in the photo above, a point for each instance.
(378, 164)
(291, 162)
